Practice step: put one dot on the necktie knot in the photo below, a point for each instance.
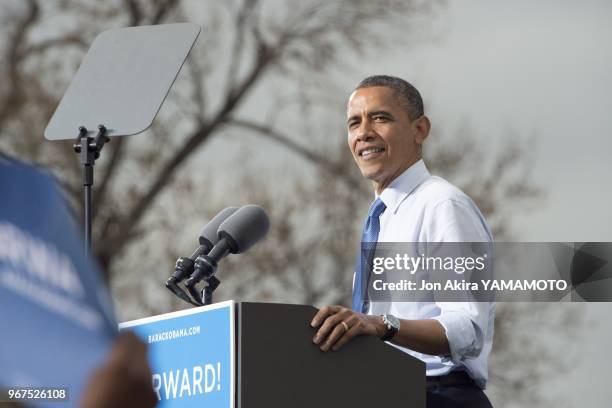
(377, 208)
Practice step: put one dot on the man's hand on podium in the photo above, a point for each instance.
(124, 380)
(338, 324)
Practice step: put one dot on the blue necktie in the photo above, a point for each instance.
(365, 255)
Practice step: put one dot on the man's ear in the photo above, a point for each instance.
(422, 126)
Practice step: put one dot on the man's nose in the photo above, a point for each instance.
(365, 131)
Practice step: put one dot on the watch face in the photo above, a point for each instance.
(392, 321)
(386, 322)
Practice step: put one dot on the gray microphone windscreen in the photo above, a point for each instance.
(245, 227)
(209, 236)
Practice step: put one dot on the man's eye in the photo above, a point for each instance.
(380, 118)
(352, 124)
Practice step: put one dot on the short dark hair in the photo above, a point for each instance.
(407, 95)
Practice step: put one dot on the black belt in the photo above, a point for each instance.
(452, 379)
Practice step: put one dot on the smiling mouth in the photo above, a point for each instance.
(371, 152)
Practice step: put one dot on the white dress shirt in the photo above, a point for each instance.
(422, 208)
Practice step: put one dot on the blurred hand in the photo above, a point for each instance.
(333, 333)
(124, 380)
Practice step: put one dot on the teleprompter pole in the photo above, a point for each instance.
(89, 149)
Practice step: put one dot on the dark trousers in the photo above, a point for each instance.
(455, 390)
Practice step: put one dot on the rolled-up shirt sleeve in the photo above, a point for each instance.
(463, 326)
(464, 321)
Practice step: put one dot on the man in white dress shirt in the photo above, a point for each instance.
(386, 131)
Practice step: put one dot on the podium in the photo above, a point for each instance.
(250, 355)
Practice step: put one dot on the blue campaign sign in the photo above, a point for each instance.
(192, 355)
(56, 320)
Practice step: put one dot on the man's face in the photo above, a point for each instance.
(382, 137)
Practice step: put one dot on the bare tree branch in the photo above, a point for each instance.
(14, 58)
(64, 41)
(116, 156)
(265, 57)
(241, 22)
(312, 157)
(164, 7)
(134, 11)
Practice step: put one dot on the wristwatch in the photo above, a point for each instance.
(392, 324)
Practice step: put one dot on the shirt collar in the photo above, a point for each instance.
(403, 185)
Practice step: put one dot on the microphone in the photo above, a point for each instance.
(207, 239)
(235, 235)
